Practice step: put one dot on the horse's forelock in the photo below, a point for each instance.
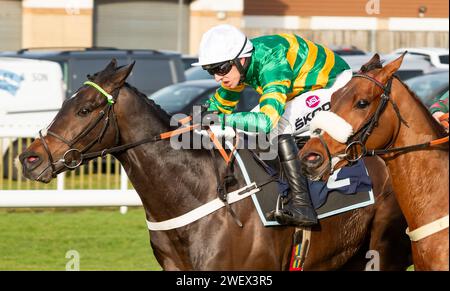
(104, 75)
(371, 66)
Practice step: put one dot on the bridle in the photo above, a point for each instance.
(106, 115)
(360, 137)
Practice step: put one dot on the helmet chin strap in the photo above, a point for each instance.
(242, 68)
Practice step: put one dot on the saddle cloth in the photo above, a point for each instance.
(354, 186)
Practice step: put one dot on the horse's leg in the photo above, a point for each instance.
(169, 254)
(389, 246)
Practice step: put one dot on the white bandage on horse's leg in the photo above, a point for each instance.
(333, 124)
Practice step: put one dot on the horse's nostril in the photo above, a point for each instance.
(312, 159)
(32, 159)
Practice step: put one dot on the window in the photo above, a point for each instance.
(80, 68)
(149, 75)
(428, 87)
(175, 98)
(443, 59)
(408, 74)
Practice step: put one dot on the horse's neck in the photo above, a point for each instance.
(168, 181)
(418, 176)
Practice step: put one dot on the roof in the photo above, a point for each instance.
(423, 50)
(206, 83)
(13, 60)
(58, 53)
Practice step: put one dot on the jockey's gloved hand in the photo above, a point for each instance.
(227, 132)
(210, 118)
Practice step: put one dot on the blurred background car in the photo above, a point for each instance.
(349, 50)
(429, 86)
(412, 65)
(188, 60)
(153, 70)
(181, 97)
(197, 73)
(438, 57)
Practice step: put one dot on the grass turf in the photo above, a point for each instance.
(104, 238)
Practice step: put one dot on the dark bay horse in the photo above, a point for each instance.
(386, 116)
(172, 182)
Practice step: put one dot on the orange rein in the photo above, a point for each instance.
(216, 142)
(443, 119)
(439, 141)
(219, 146)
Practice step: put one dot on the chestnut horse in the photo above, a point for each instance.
(388, 119)
(172, 182)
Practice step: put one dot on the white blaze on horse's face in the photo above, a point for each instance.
(331, 123)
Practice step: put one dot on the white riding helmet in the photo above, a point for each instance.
(223, 43)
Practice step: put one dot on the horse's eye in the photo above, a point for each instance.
(361, 104)
(83, 112)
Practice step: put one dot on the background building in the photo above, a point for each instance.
(84, 23)
(374, 25)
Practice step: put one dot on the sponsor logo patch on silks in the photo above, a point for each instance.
(312, 101)
(10, 81)
(305, 120)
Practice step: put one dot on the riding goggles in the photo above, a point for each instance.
(220, 69)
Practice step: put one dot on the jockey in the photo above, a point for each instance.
(295, 78)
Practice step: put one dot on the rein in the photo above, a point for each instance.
(107, 115)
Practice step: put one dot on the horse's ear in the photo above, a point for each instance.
(121, 74)
(375, 59)
(388, 70)
(111, 66)
(373, 63)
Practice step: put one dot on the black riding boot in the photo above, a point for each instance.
(298, 210)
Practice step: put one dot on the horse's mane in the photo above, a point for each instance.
(436, 126)
(160, 113)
